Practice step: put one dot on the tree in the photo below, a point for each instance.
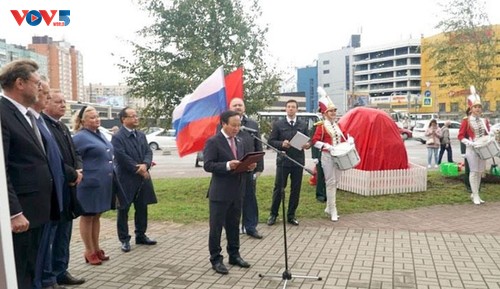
(187, 42)
(465, 55)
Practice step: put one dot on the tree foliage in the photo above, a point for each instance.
(187, 41)
(466, 54)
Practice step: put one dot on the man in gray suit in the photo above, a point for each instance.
(133, 159)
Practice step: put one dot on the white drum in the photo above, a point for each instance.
(486, 147)
(345, 156)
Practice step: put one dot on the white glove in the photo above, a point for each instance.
(256, 175)
(350, 140)
(315, 161)
(328, 147)
(467, 142)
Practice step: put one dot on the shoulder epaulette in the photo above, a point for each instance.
(318, 123)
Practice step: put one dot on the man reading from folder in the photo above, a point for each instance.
(221, 158)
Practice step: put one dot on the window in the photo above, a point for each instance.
(326, 62)
(326, 85)
(454, 107)
(442, 107)
(326, 71)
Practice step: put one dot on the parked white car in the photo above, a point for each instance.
(422, 125)
(107, 134)
(161, 139)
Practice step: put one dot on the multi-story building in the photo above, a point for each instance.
(448, 99)
(335, 73)
(11, 52)
(307, 82)
(65, 66)
(388, 74)
(282, 98)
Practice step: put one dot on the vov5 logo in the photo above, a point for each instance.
(35, 17)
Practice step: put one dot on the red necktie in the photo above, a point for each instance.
(233, 147)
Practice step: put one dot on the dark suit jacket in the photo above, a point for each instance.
(72, 162)
(250, 143)
(224, 185)
(281, 131)
(29, 179)
(129, 152)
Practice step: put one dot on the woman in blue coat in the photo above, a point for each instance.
(98, 191)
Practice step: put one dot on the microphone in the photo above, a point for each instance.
(247, 129)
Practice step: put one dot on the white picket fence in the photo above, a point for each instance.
(374, 183)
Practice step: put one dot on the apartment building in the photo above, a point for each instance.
(65, 66)
(11, 52)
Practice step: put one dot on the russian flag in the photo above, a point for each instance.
(197, 116)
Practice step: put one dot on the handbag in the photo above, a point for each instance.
(430, 141)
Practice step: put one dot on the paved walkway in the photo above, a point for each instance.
(434, 247)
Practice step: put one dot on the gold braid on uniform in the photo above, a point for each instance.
(333, 131)
(477, 126)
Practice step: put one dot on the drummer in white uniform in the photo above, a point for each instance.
(327, 135)
(473, 128)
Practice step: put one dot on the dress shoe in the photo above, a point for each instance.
(238, 261)
(126, 246)
(144, 241)
(92, 259)
(220, 268)
(254, 234)
(293, 221)
(68, 279)
(272, 220)
(101, 255)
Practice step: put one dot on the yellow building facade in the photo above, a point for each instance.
(438, 96)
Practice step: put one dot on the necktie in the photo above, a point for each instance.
(233, 147)
(291, 122)
(36, 131)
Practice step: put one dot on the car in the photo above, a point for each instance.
(496, 130)
(405, 133)
(422, 125)
(161, 139)
(107, 134)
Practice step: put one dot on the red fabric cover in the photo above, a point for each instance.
(377, 139)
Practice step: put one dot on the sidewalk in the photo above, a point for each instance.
(434, 247)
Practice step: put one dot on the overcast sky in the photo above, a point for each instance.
(298, 29)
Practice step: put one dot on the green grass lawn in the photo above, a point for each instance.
(184, 200)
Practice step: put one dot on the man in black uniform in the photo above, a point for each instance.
(282, 132)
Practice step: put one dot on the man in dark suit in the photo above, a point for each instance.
(250, 208)
(72, 166)
(133, 159)
(225, 193)
(44, 258)
(282, 132)
(29, 178)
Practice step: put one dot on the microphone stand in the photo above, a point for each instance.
(287, 274)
